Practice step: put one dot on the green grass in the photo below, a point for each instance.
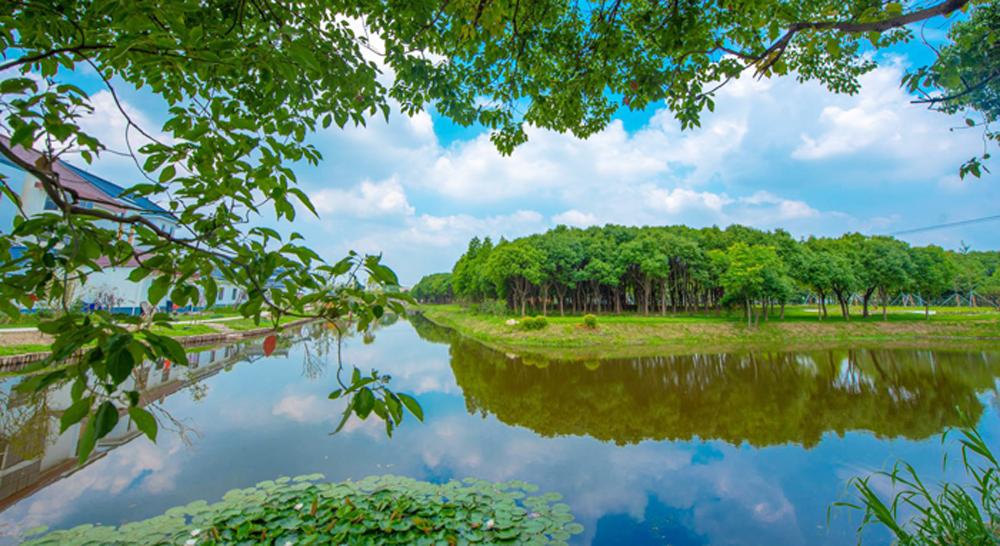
(943, 513)
(186, 330)
(632, 335)
(10, 350)
(246, 324)
(215, 312)
(24, 321)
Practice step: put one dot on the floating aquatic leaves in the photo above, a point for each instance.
(376, 510)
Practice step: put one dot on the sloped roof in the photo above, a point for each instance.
(88, 185)
(67, 177)
(116, 191)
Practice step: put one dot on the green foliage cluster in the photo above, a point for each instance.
(534, 323)
(945, 513)
(376, 510)
(368, 395)
(590, 321)
(667, 269)
(434, 288)
(964, 78)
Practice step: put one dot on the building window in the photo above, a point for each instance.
(234, 294)
(49, 205)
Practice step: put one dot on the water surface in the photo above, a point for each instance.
(747, 448)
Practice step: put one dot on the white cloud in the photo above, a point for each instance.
(881, 119)
(574, 218)
(786, 209)
(110, 126)
(681, 200)
(367, 200)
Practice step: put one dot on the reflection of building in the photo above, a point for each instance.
(25, 471)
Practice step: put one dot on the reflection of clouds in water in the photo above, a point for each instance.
(416, 367)
(302, 409)
(602, 479)
(139, 466)
(311, 409)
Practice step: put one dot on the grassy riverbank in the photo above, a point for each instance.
(19, 343)
(631, 335)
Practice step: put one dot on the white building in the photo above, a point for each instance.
(109, 288)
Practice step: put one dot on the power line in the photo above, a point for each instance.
(952, 224)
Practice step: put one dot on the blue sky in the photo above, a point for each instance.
(775, 153)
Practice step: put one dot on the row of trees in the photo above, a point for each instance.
(676, 268)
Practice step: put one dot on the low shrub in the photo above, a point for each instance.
(590, 321)
(534, 323)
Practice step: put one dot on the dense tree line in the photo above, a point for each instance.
(672, 269)
(434, 288)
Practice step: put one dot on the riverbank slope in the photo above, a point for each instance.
(631, 335)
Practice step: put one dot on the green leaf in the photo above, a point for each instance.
(120, 365)
(168, 347)
(364, 402)
(159, 289)
(144, 421)
(87, 442)
(412, 406)
(105, 420)
(75, 413)
(35, 531)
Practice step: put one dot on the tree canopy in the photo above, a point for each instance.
(672, 268)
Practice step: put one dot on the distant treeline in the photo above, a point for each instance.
(677, 268)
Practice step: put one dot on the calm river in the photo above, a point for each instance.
(744, 448)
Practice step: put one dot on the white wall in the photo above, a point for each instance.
(14, 178)
(115, 280)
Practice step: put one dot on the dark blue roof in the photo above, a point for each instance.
(6, 161)
(115, 190)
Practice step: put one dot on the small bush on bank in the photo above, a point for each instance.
(590, 321)
(534, 323)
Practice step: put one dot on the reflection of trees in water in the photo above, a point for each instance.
(25, 424)
(428, 331)
(763, 398)
(322, 342)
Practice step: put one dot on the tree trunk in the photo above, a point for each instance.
(843, 305)
(868, 295)
(782, 311)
